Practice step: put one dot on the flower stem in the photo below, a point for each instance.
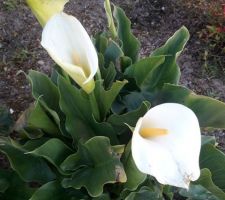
(111, 23)
(94, 106)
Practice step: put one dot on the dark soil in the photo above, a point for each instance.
(154, 21)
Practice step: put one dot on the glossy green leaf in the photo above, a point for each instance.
(105, 98)
(214, 160)
(44, 87)
(29, 167)
(134, 176)
(197, 192)
(94, 165)
(101, 43)
(130, 44)
(72, 99)
(54, 190)
(80, 123)
(169, 71)
(103, 197)
(143, 194)
(133, 100)
(119, 121)
(210, 112)
(145, 71)
(125, 62)
(54, 150)
(36, 118)
(204, 188)
(108, 75)
(112, 53)
(46, 92)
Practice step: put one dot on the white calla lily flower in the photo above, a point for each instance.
(69, 45)
(166, 144)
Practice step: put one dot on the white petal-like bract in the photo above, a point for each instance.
(69, 45)
(173, 159)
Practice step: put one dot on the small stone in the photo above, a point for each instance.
(11, 111)
(41, 62)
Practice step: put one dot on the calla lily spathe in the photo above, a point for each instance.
(69, 45)
(166, 144)
(45, 9)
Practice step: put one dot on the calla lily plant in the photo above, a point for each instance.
(75, 141)
(166, 144)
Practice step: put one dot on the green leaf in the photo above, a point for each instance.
(143, 194)
(105, 98)
(133, 100)
(108, 75)
(6, 121)
(130, 44)
(145, 71)
(54, 190)
(214, 160)
(36, 118)
(125, 62)
(134, 176)
(12, 187)
(80, 123)
(29, 167)
(44, 87)
(71, 99)
(94, 165)
(203, 188)
(35, 121)
(54, 150)
(46, 92)
(197, 192)
(119, 121)
(112, 53)
(169, 71)
(103, 197)
(210, 112)
(101, 43)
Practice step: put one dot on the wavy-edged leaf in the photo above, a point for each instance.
(134, 176)
(80, 123)
(54, 190)
(54, 150)
(94, 165)
(29, 167)
(46, 92)
(214, 160)
(144, 193)
(105, 98)
(130, 44)
(145, 71)
(169, 71)
(34, 121)
(119, 121)
(204, 188)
